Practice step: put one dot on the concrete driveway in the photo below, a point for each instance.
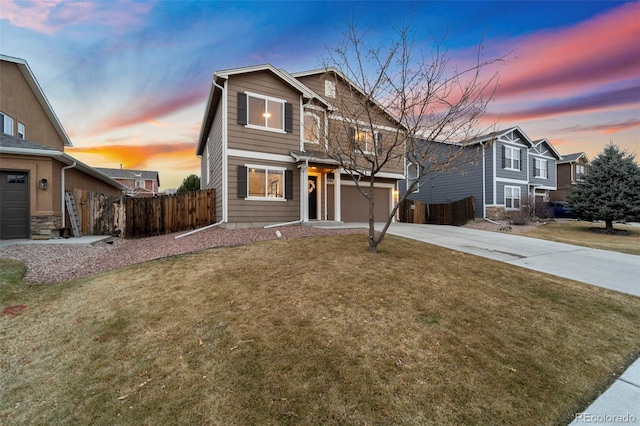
(616, 271)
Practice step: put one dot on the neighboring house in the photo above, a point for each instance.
(263, 147)
(139, 183)
(34, 169)
(571, 169)
(502, 170)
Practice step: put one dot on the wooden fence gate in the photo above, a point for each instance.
(457, 213)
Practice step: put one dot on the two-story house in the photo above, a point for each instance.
(264, 146)
(571, 170)
(34, 169)
(502, 171)
(139, 183)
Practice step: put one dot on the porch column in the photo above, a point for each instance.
(336, 196)
(304, 193)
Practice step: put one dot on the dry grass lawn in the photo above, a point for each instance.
(312, 331)
(581, 233)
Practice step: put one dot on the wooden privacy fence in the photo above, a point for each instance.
(98, 214)
(457, 213)
(146, 217)
(101, 214)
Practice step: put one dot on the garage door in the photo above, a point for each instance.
(14, 205)
(355, 207)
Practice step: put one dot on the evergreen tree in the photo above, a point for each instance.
(610, 190)
(190, 183)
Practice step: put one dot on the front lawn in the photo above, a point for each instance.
(590, 234)
(312, 331)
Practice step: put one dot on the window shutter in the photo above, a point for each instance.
(521, 159)
(535, 171)
(352, 139)
(288, 117)
(242, 182)
(504, 157)
(378, 142)
(242, 108)
(288, 185)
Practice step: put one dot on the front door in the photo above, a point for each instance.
(313, 197)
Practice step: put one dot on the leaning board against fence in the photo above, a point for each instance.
(146, 217)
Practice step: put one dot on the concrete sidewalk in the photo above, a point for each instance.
(620, 404)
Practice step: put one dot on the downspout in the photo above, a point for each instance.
(64, 220)
(484, 184)
(224, 168)
(225, 164)
(303, 185)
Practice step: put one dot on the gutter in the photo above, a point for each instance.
(62, 184)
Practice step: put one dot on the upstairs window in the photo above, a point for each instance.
(20, 130)
(329, 89)
(540, 168)
(139, 183)
(511, 158)
(264, 112)
(311, 128)
(580, 171)
(366, 142)
(7, 124)
(413, 174)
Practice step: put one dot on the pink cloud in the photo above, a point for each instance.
(49, 16)
(602, 50)
(148, 111)
(181, 154)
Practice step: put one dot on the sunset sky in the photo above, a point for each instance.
(129, 80)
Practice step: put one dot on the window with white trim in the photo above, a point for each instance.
(540, 168)
(311, 127)
(413, 174)
(511, 158)
(139, 183)
(265, 112)
(265, 182)
(7, 124)
(20, 130)
(512, 197)
(366, 141)
(580, 171)
(329, 89)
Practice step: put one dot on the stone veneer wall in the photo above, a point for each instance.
(43, 227)
(497, 213)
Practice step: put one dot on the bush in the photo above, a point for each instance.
(524, 215)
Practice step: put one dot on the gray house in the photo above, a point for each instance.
(504, 168)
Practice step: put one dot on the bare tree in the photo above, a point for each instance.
(394, 107)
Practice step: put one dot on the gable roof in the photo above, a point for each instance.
(130, 174)
(551, 147)
(215, 94)
(497, 135)
(572, 158)
(12, 145)
(347, 80)
(39, 94)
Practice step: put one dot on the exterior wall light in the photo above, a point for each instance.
(42, 184)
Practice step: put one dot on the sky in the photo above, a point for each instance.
(129, 80)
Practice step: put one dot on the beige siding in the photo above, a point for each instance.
(241, 137)
(19, 102)
(251, 211)
(214, 147)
